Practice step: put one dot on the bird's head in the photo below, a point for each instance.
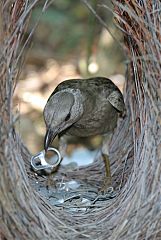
(62, 110)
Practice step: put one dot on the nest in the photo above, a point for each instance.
(135, 155)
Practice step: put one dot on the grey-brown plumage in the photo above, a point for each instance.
(82, 107)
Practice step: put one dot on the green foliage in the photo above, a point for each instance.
(67, 30)
(59, 29)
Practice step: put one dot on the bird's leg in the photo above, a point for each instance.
(62, 146)
(105, 156)
(108, 179)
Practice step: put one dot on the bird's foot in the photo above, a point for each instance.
(107, 186)
(50, 183)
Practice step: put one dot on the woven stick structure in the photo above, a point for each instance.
(135, 149)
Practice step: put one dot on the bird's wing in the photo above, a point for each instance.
(116, 99)
(114, 95)
(111, 91)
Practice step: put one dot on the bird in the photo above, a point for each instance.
(83, 108)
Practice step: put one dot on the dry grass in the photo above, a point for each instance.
(136, 146)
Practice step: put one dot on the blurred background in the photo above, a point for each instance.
(69, 42)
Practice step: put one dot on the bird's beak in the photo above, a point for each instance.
(49, 137)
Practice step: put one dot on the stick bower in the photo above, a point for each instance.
(135, 149)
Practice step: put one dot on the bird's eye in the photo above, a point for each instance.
(67, 117)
